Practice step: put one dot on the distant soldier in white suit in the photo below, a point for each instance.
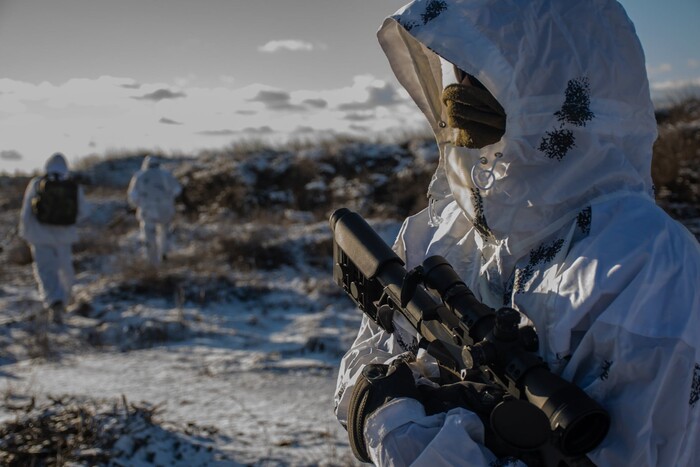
(152, 191)
(53, 204)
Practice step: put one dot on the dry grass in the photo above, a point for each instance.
(66, 430)
(676, 162)
(255, 250)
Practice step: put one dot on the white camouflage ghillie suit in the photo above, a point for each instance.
(152, 191)
(556, 219)
(51, 244)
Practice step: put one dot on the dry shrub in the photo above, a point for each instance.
(12, 191)
(377, 178)
(142, 279)
(190, 279)
(221, 189)
(676, 162)
(57, 433)
(254, 250)
(404, 194)
(18, 253)
(104, 242)
(39, 343)
(74, 431)
(318, 252)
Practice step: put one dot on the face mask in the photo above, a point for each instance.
(475, 113)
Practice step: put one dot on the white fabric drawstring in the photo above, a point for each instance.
(482, 178)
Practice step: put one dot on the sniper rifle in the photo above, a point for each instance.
(541, 413)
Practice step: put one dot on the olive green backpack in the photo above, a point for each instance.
(56, 201)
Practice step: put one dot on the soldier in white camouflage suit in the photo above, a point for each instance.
(543, 202)
(51, 235)
(152, 191)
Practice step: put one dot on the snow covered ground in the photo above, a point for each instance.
(259, 368)
(239, 358)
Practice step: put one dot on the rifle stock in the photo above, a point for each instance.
(466, 336)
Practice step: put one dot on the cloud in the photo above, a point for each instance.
(261, 130)
(693, 63)
(290, 45)
(656, 70)
(275, 100)
(184, 81)
(160, 94)
(217, 132)
(316, 103)
(359, 128)
(304, 130)
(73, 114)
(130, 86)
(379, 94)
(10, 155)
(666, 92)
(168, 121)
(359, 117)
(676, 85)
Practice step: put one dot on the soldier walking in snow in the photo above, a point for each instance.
(543, 202)
(152, 191)
(53, 204)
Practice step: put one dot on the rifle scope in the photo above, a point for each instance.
(579, 421)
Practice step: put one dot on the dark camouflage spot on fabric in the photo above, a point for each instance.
(541, 255)
(576, 109)
(407, 25)
(545, 254)
(695, 387)
(413, 347)
(480, 219)
(433, 10)
(583, 220)
(339, 394)
(504, 462)
(557, 143)
(605, 370)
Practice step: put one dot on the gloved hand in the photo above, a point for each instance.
(477, 115)
(377, 385)
(518, 429)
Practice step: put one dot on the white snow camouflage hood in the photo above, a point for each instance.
(571, 77)
(56, 164)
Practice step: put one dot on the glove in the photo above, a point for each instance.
(513, 428)
(377, 385)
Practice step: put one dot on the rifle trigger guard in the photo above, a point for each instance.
(385, 317)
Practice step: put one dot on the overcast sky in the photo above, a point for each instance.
(96, 76)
